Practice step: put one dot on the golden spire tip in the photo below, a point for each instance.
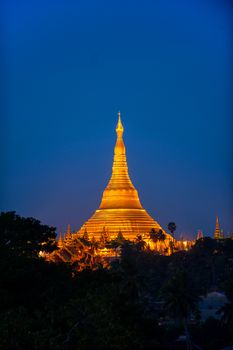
(119, 124)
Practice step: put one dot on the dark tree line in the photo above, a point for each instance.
(143, 301)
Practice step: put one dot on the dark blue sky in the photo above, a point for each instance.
(69, 66)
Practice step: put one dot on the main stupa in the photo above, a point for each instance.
(120, 208)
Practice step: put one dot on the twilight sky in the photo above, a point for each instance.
(69, 66)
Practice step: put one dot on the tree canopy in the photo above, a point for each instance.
(50, 306)
(25, 236)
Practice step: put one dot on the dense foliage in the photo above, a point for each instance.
(24, 236)
(49, 306)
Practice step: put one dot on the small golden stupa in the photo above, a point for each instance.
(218, 233)
(120, 208)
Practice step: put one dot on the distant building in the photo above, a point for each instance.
(218, 234)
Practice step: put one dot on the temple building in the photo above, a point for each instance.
(74, 251)
(120, 209)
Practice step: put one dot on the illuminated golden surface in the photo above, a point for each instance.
(217, 232)
(120, 208)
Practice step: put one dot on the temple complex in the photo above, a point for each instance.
(120, 209)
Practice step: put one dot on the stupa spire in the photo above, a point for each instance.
(60, 241)
(68, 235)
(217, 232)
(120, 191)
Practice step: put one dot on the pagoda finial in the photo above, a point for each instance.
(60, 241)
(119, 128)
(68, 234)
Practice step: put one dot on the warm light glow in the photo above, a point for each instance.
(42, 254)
(120, 208)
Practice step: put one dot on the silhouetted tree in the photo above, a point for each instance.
(227, 309)
(180, 300)
(153, 235)
(157, 236)
(172, 228)
(119, 241)
(25, 236)
(140, 243)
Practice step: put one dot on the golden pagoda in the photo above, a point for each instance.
(120, 208)
(217, 233)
